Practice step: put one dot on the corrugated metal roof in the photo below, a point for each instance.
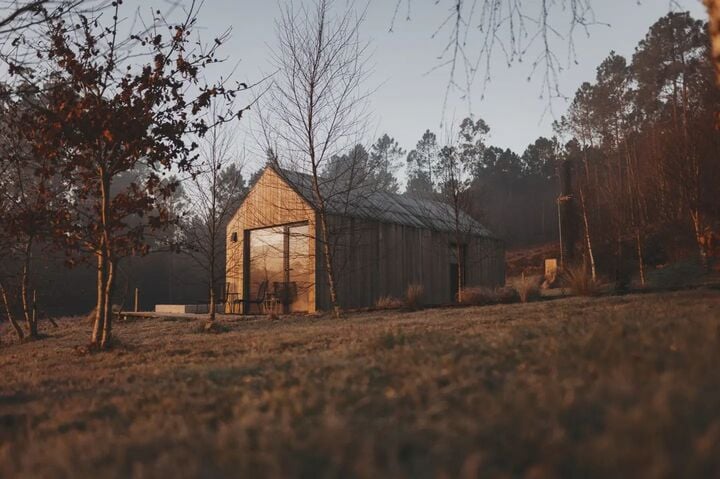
(382, 206)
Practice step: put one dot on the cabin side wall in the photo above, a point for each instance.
(376, 259)
(485, 262)
(271, 202)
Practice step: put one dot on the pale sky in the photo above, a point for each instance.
(408, 100)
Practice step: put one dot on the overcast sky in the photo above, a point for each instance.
(408, 100)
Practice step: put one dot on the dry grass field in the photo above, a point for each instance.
(601, 387)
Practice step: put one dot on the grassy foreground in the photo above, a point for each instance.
(605, 387)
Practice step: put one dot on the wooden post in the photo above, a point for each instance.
(34, 307)
(137, 302)
(560, 234)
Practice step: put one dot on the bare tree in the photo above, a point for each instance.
(214, 193)
(474, 31)
(30, 200)
(455, 167)
(315, 107)
(7, 253)
(518, 30)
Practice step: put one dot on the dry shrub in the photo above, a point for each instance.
(527, 287)
(389, 302)
(580, 282)
(414, 296)
(506, 295)
(478, 296)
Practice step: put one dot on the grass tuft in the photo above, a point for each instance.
(478, 296)
(580, 282)
(389, 302)
(414, 297)
(527, 287)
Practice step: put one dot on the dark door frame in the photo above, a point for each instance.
(286, 260)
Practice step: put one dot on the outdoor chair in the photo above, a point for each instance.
(261, 297)
(285, 292)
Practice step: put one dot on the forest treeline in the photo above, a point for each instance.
(632, 171)
(629, 179)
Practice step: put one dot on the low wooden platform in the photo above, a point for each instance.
(126, 315)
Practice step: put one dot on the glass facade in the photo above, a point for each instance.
(300, 268)
(280, 273)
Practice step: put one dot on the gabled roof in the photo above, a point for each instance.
(365, 203)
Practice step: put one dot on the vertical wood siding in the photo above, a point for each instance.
(372, 259)
(271, 202)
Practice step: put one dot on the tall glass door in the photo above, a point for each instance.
(280, 268)
(266, 264)
(299, 267)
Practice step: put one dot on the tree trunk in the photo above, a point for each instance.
(560, 234)
(100, 306)
(8, 311)
(34, 309)
(24, 294)
(641, 262)
(104, 264)
(699, 238)
(108, 313)
(461, 274)
(713, 8)
(567, 216)
(587, 236)
(458, 250)
(212, 303)
(329, 270)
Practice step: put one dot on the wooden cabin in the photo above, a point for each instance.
(380, 242)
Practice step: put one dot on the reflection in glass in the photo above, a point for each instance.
(300, 280)
(280, 269)
(266, 263)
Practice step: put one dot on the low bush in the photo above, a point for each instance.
(479, 296)
(580, 282)
(414, 296)
(527, 287)
(507, 295)
(389, 302)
